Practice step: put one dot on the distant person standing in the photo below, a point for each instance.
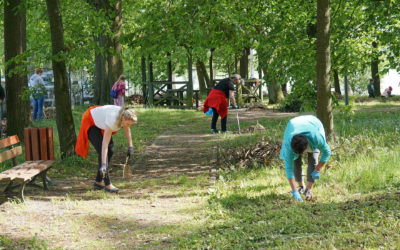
(2, 96)
(120, 86)
(371, 88)
(38, 89)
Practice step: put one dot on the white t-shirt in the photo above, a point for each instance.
(106, 116)
(35, 80)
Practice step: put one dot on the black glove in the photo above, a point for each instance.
(130, 152)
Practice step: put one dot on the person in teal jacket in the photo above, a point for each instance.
(304, 134)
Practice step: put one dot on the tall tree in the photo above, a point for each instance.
(115, 65)
(108, 51)
(16, 81)
(65, 122)
(375, 69)
(336, 82)
(323, 67)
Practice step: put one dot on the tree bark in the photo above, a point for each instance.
(64, 120)
(275, 93)
(323, 67)
(108, 60)
(375, 69)
(101, 86)
(18, 110)
(336, 82)
(200, 76)
(244, 63)
(115, 65)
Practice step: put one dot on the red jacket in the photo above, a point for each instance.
(217, 99)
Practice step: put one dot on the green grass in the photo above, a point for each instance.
(357, 205)
(151, 123)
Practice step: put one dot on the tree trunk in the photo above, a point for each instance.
(115, 65)
(210, 62)
(323, 67)
(336, 82)
(275, 93)
(244, 63)
(200, 76)
(101, 86)
(375, 69)
(18, 110)
(65, 122)
(108, 60)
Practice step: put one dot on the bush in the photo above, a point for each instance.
(302, 98)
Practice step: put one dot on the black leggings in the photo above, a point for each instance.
(96, 138)
(215, 119)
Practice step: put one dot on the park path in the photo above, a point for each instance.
(188, 149)
(153, 201)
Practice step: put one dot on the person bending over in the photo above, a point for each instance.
(304, 134)
(217, 101)
(99, 123)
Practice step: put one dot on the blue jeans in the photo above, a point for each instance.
(38, 108)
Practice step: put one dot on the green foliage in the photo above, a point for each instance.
(303, 97)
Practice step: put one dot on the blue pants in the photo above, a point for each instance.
(38, 108)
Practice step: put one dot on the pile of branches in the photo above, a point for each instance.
(49, 112)
(262, 153)
(256, 107)
(135, 99)
(254, 128)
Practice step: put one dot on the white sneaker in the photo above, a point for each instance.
(309, 195)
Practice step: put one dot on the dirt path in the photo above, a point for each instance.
(168, 190)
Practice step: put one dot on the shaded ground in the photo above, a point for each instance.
(169, 186)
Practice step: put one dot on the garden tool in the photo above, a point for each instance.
(237, 118)
(126, 168)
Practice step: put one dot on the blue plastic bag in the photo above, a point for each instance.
(114, 93)
(209, 112)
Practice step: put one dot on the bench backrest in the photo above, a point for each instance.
(12, 151)
(39, 144)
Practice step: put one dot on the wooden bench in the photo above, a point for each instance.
(39, 155)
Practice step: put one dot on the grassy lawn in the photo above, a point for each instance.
(357, 206)
(151, 123)
(357, 202)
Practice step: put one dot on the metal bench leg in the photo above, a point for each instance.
(10, 193)
(44, 179)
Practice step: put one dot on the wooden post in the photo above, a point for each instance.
(43, 143)
(151, 87)
(239, 91)
(260, 83)
(144, 87)
(169, 71)
(151, 94)
(28, 145)
(50, 143)
(211, 66)
(35, 144)
(189, 101)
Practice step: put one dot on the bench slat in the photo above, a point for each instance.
(25, 171)
(9, 141)
(9, 154)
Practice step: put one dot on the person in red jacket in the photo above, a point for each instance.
(99, 123)
(217, 101)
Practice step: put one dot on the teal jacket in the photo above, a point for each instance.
(313, 130)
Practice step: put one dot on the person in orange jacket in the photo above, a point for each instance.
(99, 123)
